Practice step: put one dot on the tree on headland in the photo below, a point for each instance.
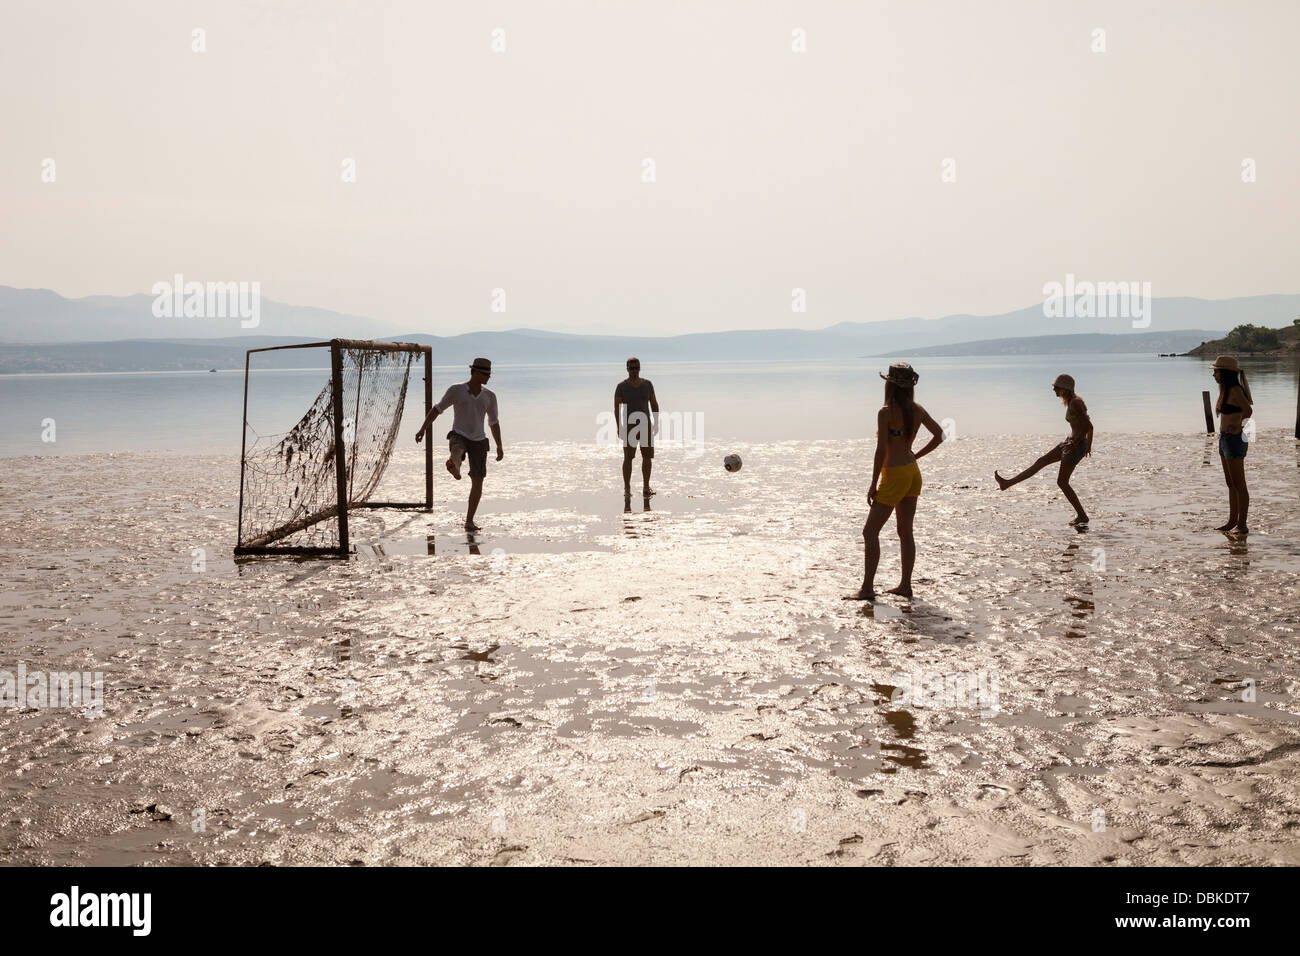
(1252, 338)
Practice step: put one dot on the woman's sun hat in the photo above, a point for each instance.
(901, 374)
(1228, 363)
(1065, 382)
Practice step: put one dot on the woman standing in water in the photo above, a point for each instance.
(1233, 407)
(1069, 452)
(896, 473)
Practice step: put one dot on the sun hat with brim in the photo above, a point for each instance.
(482, 365)
(1064, 381)
(901, 374)
(1228, 363)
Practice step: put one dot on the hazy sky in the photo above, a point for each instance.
(523, 170)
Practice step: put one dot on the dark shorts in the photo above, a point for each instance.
(1232, 446)
(475, 450)
(1073, 454)
(638, 432)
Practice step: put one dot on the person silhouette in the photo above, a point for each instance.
(895, 476)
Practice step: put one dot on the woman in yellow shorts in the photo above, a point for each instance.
(895, 476)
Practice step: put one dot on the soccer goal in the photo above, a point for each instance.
(296, 487)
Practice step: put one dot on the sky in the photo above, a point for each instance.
(524, 169)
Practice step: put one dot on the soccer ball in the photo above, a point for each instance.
(731, 463)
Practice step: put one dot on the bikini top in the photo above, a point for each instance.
(1227, 408)
(894, 432)
(1071, 415)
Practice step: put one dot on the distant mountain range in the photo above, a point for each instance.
(39, 315)
(1179, 341)
(45, 332)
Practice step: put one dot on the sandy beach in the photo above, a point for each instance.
(677, 685)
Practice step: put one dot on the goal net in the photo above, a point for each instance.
(296, 487)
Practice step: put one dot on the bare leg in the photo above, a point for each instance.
(1035, 468)
(1231, 498)
(1237, 471)
(1063, 482)
(454, 459)
(876, 519)
(904, 516)
(628, 455)
(646, 464)
(475, 493)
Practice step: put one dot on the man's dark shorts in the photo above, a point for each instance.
(475, 450)
(638, 433)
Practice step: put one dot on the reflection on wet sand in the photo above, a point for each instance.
(636, 528)
(1238, 549)
(1082, 611)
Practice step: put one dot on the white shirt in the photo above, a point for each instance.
(470, 409)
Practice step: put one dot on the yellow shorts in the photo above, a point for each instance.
(898, 483)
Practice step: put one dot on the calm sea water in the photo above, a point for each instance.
(750, 401)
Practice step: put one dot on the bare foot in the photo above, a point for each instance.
(471, 526)
(454, 468)
(903, 590)
(1081, 520)
(1226, 527)
(1002, 482)
(862, 594)
(1242, 529)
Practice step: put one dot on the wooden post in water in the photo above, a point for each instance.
(1209, 413)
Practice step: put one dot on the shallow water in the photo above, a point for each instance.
(735, 401)
(678, 684)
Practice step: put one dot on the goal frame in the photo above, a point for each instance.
(339, 511)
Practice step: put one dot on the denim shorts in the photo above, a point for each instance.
(1073, 454)
(1232, 446)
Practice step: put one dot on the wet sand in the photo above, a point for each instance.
(678, 685)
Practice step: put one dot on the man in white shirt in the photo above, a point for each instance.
(471, 402)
